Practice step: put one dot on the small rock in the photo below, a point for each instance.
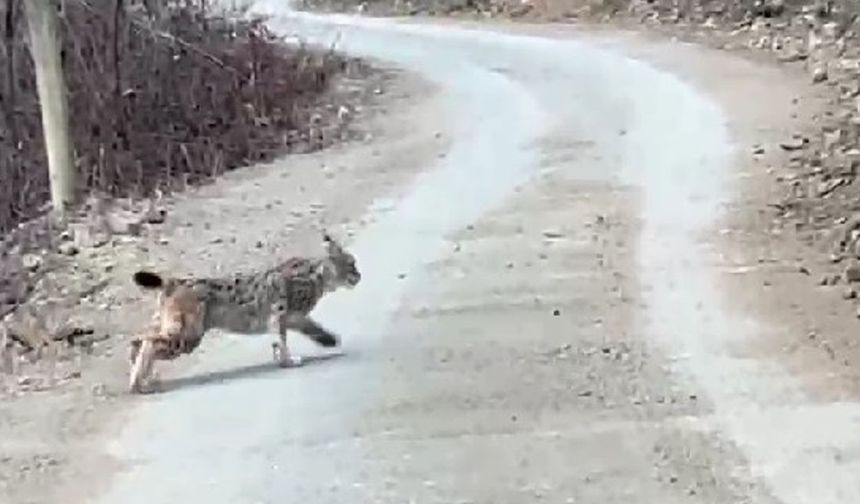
(849, 293)
(343, 113)
(796, 143)
(127, 224)
(552, 233)
(68, 248)
(832, 139)
(31, 262)
(769, 8)
(852, 273)
(793, 57)
(819, 74)
(833, 279)
(101, 239)
(155, 216)
(758, 150)
(556, 312)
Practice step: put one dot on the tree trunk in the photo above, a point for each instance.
(50, 84)
(9, 99)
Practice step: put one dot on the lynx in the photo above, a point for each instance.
(274, 300)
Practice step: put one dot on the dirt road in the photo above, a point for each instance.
(544, 314)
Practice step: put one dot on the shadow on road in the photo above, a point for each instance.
(239, 373)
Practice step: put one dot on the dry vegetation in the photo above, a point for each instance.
(153, 103)
(160, 97)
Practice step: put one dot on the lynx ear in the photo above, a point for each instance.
(330, 243)
(320, 269)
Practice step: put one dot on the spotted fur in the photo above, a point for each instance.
(274, 300)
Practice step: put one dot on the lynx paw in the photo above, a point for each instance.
(282, 357)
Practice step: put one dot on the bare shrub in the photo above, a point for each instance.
(155, 102)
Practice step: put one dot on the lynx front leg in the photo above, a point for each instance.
(314, 331)
(280, 352)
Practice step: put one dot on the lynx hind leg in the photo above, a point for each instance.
(133, 350)
(143, 353)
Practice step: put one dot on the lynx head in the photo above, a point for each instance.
(342, 263)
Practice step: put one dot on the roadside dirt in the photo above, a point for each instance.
(784, 262)
(53, 437)
(784, 275)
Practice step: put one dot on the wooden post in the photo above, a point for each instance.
(45, 46)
